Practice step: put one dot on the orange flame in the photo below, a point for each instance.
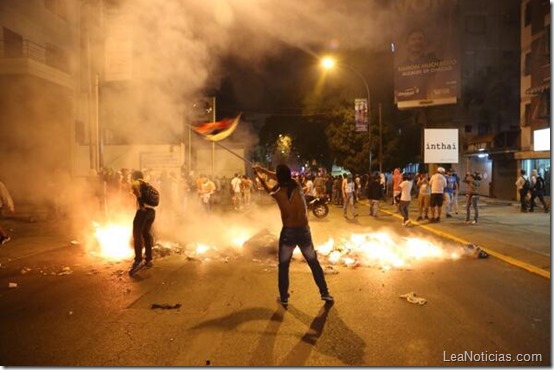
(114, 241)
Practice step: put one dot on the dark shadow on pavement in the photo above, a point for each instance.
(263, 354)
(301, 351)
(338, 341)
(233, 320)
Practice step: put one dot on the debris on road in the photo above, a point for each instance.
(413, 298)
(474, 251)
(261, 244)
(65, 271)
(165, 306)
(25, 270)
(330, 270)
(12, 285)
(74, 242)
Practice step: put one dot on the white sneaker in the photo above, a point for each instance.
(473, 222)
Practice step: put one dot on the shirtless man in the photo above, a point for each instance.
(295, 231)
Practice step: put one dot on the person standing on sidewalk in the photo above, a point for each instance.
(423, 197)
(374, 194)
(448, 194)
(523, 185)
(473, 182)
(396, 180)
(456, 184)
(295, 230)
(405, 198)
(537, 191)
(437, 183)
(348, 188)
(6, 202)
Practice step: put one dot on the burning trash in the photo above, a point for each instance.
(114, 240)
(380, 249)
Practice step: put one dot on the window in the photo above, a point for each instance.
(476, 24)
(527, 117)
(527, 66)
(483, 129)
(13, 44)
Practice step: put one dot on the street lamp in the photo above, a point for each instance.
(330, 63)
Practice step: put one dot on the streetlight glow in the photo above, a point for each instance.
(328, 63)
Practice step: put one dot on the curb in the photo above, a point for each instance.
(500, 256)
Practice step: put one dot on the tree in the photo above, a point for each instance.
(308, 142)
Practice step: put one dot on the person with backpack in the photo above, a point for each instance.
(147, 199)
(523, 186)
(537, 191)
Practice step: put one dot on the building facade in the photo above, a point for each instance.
(486, 112)
(535, 101)
(38, 69)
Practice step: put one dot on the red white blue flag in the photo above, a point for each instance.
(216, 131)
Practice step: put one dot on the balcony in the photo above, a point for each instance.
(25, 57)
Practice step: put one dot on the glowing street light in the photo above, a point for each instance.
(329, 63)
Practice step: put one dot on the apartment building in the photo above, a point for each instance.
(535, 89)
(38, 94)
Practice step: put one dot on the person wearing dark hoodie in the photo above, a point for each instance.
(295, 231)
(374, 194)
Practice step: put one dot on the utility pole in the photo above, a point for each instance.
(380, 141)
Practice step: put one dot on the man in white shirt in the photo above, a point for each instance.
(235, 185)
(437, 183)
(405, 198)
(522, 185)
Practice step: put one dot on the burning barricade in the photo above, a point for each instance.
(378, 249)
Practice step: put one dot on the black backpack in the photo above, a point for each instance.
(526, 184)
(148, 194)
(539, 184)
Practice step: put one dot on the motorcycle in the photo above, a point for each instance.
(318, 205)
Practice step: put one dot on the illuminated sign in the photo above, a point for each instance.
(441, 146)
(541, 139)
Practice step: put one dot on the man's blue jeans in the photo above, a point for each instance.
(288, 240)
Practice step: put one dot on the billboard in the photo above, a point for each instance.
(360, 114)
(426, 53)
(441, 145)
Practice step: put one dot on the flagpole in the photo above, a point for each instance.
(213, 146)
(233, 153)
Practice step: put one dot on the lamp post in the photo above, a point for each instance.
(329, 63)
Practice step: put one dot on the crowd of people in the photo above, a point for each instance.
(435, 193)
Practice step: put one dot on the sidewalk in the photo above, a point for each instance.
(521, 239)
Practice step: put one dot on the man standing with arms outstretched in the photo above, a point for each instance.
(295, 231)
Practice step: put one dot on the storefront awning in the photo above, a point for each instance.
(537, 90)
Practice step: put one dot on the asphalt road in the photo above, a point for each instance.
(479, 312)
